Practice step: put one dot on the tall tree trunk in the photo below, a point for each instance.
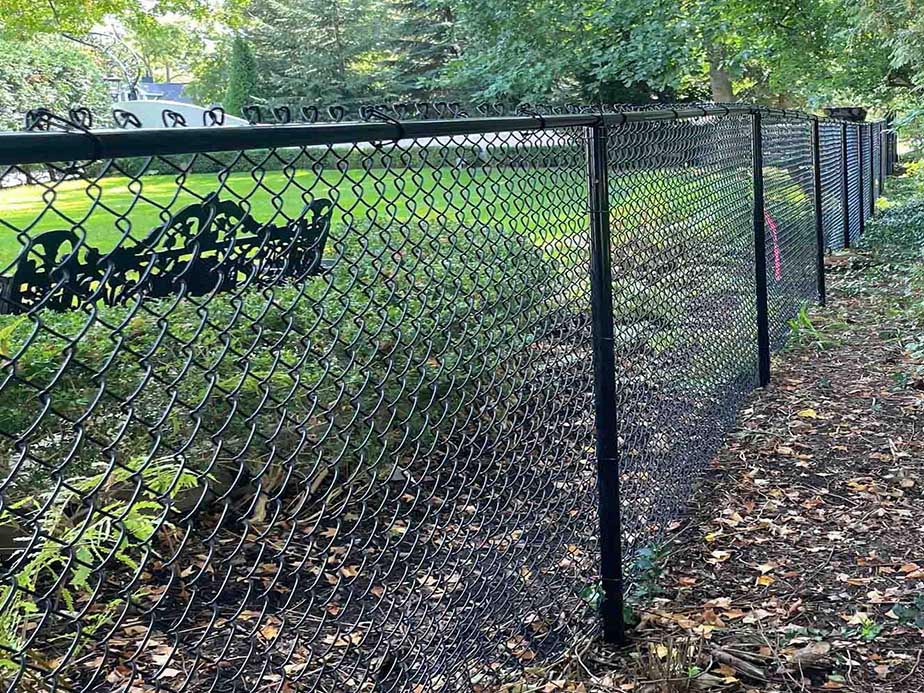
(719, 80)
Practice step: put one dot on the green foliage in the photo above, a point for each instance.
(869, 630)
(804, 332)
(644, 569)
(335, 350)
(423, 45)
(167, 48)
(94, 520)
(589, 49)
(210, 75)
(911, 614)
(592, 594)
(242, 77)
(19, 17)
(647, 568)
(782, 53)
(899, 232)
(774, 52)
(23, 18)
(910, 126)
(47, 71)
(806, 54)
(323, 51)
(898, 28)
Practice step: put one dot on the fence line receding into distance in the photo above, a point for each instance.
(381, 406)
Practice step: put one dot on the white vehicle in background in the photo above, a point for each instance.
(166, 114)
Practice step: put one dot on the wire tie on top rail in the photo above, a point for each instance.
(374, 112)
(213, 117)
(42, 119)
(125, 119)
(533, 113)
(601, 118)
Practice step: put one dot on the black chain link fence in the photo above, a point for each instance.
(854, 186)
(789, 219)
(313, 407)
(833, 191)
(684, 308)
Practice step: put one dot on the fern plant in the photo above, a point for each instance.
(72, 547)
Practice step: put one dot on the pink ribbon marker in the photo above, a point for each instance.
(777, 262)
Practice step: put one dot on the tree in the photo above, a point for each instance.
(765, 51)
(786, 52)
(423, 44)
(592, 50)
(898, 25)
(48, 72)
(242, 77)
(210, 71)
(167, 47)
(23, 18)
(324, 51)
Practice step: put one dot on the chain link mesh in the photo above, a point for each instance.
(877, 161)
(684, 309)
(321, 418)
(372, 477)
(854, 204)
(832, 184)
(789, 220)
(867, 159)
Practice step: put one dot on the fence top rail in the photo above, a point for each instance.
(92, 145)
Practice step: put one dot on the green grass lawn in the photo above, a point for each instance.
(109, 209)
(545, 203)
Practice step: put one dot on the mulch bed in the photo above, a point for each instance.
(800, 566)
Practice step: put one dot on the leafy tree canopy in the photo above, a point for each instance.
(50, 72)
(801, 53)
(23, 18)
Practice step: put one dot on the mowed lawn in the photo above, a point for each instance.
(544, 203)
(111, 208)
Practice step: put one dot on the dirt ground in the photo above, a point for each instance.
(800, 566)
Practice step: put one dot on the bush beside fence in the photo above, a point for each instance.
(378, 473)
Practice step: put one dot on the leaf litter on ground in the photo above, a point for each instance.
(801, 565)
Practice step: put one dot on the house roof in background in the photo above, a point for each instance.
(166, 91)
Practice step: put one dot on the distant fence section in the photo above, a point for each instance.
(397, 405)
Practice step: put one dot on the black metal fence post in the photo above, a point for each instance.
(819, 226)
(845, 186)
(607, 434)
(889, 150)
(760, 251)
(895, 157)
(888, 145)
(888, 156)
